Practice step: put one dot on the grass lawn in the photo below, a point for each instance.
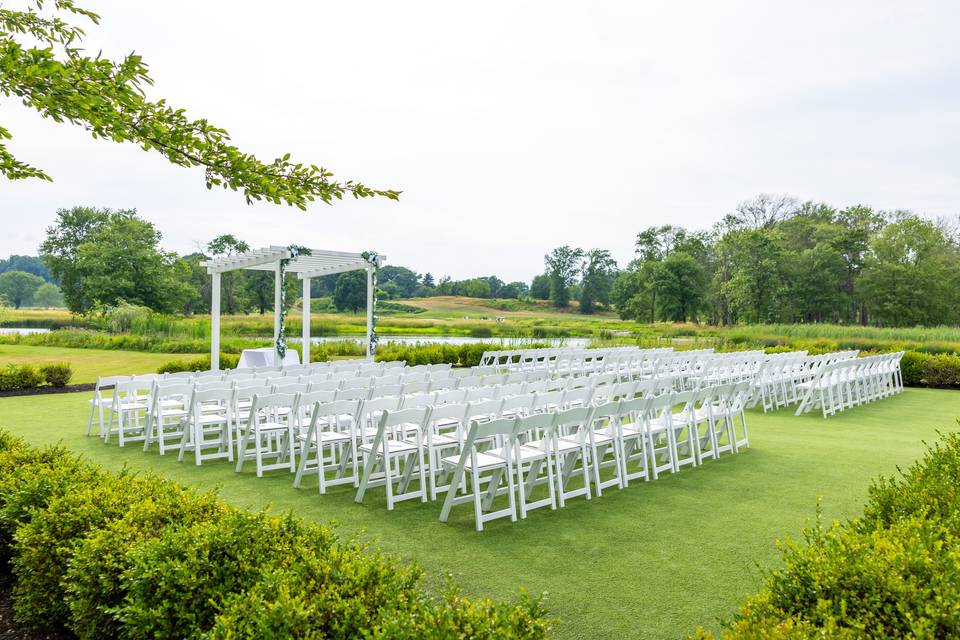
(88, 363)
(653, 561)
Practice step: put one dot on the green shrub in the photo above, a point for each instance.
(227, 361)
(15, 377)
(44, 545)
(57, 374)
(178, 583)
(94, 577)
(890, 574)
(481, 332)
(942, 370)
(130, 556)
(305, 600)
(911, 368)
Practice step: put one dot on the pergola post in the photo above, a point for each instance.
(215, 323)
(369, 308)
(277, 303)
(305, 345)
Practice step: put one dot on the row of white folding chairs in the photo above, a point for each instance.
(844, 384)
(784, 383)
(132, 403)
(523, 359)
(775, 384)
(164, 414)
(270, 424)
(514, 397)
(637, 438)
(406, 457)
(719, 368)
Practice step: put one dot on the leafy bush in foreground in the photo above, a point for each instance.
(892, 573)
(129, 556)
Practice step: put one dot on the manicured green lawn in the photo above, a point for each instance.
(88, 363)
(652, 561)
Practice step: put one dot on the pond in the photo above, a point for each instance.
(23, 331)
(508, 343)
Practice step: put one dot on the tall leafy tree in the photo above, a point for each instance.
(232, 281)
(45, 67)
(597, 274)
(47, 296)
(563, 265)
(19, 287)
(540, 287)
(122, 262)
(680, 282)
(59, 250)
(350, 293)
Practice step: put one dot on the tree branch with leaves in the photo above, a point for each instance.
(43, 64)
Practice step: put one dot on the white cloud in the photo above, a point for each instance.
(515, 127)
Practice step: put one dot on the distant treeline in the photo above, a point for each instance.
(774, 259)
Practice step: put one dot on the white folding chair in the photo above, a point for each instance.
(271, 430)
(167, 415)
(207, 428)
(473, 469)
(100, 400)
(389, 449)
(332, 426)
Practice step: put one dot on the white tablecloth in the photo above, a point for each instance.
(266, 357)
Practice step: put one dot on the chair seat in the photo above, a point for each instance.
(485, 461)
(133, 406)
(212, 418)
(272, 426)
(528, 453)
(326, 437)
(442, 439)
(564, 444)
(393, 446)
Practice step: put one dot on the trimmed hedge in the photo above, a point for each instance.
(894, 572)
(127, 555)
(227, 361)
(17, 377)
(57, 374)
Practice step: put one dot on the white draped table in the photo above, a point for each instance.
(265, 357)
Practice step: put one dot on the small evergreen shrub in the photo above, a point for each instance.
(227, 361)
(57, 374)
(16, 377)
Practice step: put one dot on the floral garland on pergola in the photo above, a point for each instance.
(294, 251)
(373, 259)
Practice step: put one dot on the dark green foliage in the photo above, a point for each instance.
(463, 355)
(30, 264)
(350, 294)
(45, 544)
(227, 361)
(125, 556)
(94, 577)
(893, 573)
(57, 374)
(15, 377)
(17, 288)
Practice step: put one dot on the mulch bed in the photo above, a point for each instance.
(39, 391)
(9, 630)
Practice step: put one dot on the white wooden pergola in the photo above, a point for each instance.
(317, 263)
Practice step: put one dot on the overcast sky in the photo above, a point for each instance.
(514, 127)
